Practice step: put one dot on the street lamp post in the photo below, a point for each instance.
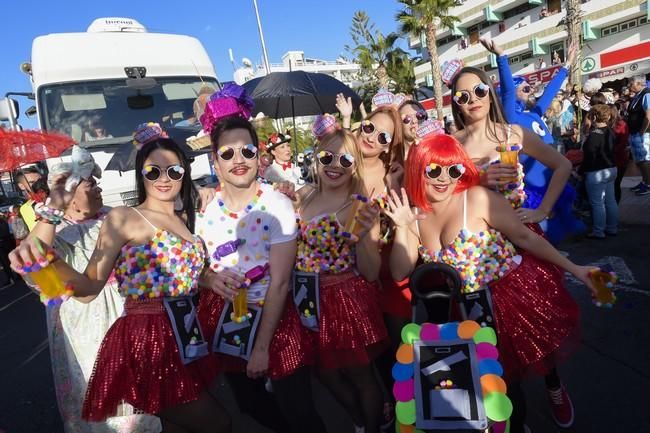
(259, 27)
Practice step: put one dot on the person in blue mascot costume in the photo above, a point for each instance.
(515, 94)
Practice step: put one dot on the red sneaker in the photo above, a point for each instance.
(561, 406)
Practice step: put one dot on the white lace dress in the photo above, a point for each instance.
(75, 332)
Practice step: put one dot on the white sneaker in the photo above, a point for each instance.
(358, 429)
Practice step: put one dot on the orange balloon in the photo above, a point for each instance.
(403, 428)
(405, 354)
(492, 383)
(467, 329)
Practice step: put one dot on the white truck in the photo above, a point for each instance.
(98, 86)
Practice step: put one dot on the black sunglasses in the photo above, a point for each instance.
(433, 171)
(248, 151)
(368, 128)
(153, 172)
(526, 89)
(462, 97)
(345, 159)
(420, 117)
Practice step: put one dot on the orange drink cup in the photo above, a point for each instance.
(604, 283)
(49, 282)
(352, 227)
(509, 155)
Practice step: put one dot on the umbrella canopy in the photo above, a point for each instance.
(124, 157)
(298, 93)
(18, 148)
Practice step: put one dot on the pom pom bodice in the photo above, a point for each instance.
(166, 266)
(323, 247)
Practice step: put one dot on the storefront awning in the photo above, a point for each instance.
(619, 72)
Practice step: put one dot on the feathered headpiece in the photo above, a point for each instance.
(232, 100)
(146, 132)
(81, 167)
(324, 125)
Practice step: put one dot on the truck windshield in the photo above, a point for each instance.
(107, 112)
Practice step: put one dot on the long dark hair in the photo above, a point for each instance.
(496, 109)
(188, 192)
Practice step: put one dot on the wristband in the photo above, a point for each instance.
(48, 214)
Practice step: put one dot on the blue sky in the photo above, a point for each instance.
(319, 28)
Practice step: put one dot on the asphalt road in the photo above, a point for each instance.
(608, 377)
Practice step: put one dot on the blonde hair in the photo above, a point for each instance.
(350, 146)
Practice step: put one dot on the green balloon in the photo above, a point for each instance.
(485, 335)
(498, 406)
(410, 333)
(405, 412)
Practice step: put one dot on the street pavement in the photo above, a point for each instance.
(608, 376)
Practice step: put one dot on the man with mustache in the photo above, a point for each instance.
(250, 233)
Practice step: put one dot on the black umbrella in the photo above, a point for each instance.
(298, 93)
(124, 157)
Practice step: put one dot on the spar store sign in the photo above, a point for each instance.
(610, 72)
(543, 76)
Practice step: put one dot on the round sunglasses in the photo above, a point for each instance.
(418, 117)
(433, 171)
(153, 172)
(462, 97)
(368, 128)
(248, 151)
(326, 158)
(526, 89)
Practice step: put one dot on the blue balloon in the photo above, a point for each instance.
(449, 331)
(402, 372)
(490, 366)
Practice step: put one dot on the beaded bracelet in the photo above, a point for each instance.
(48, 214)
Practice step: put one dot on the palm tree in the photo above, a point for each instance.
(573, 20)
(427, 17)
(400, 69)
(372, 49)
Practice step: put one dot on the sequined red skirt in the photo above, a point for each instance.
(139, 363)
(536, 317)
(394, 296)
(351, 327)
(291, 346)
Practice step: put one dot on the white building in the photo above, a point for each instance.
(616, 38)
(341, 69)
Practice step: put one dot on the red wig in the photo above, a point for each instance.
(441, 149)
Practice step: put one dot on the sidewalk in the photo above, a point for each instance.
(633, 209)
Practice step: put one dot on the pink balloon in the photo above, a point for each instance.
(486, 351)
(499, 427)
(430, 332)
(404, 390)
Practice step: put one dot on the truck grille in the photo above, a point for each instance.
(129, 198)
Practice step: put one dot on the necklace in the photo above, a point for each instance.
(247, 209)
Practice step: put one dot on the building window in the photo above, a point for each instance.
(518, 10)
(554, 6)
(559, 48)
(514, 59)
(625, 25)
